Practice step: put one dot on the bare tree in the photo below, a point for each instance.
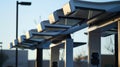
(110, 45)
(110, 48)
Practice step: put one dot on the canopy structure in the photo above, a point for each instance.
(74, 16)
(100, 17)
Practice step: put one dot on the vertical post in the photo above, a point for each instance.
(94, 46)
(17, 7)
(118, 44)
(16, 33)
(68, 53)
(116, 50)
(39, 57)
(54, 60)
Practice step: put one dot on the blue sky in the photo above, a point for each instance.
(29, 16)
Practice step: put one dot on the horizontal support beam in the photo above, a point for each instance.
(75, 18)
(41, 25)
(106, 23)
(54, 17)
(76, 28)
(75, 44)
(57, 26)
(46, 26)
(46, 33)
(40, 35)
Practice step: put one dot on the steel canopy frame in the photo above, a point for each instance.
(70, 13)
(16, 44)
(100, 6)
(46, 26)
(94, 11)
(90, 10)
(24, 43)
(74, 16)
(33, 34)
(58, 18)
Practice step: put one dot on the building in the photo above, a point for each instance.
(106, 61)
(9, 58)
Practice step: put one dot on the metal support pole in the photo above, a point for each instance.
(39, 57)
(16, 33)
(116, 50)
(17, 7)
(118, 44)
